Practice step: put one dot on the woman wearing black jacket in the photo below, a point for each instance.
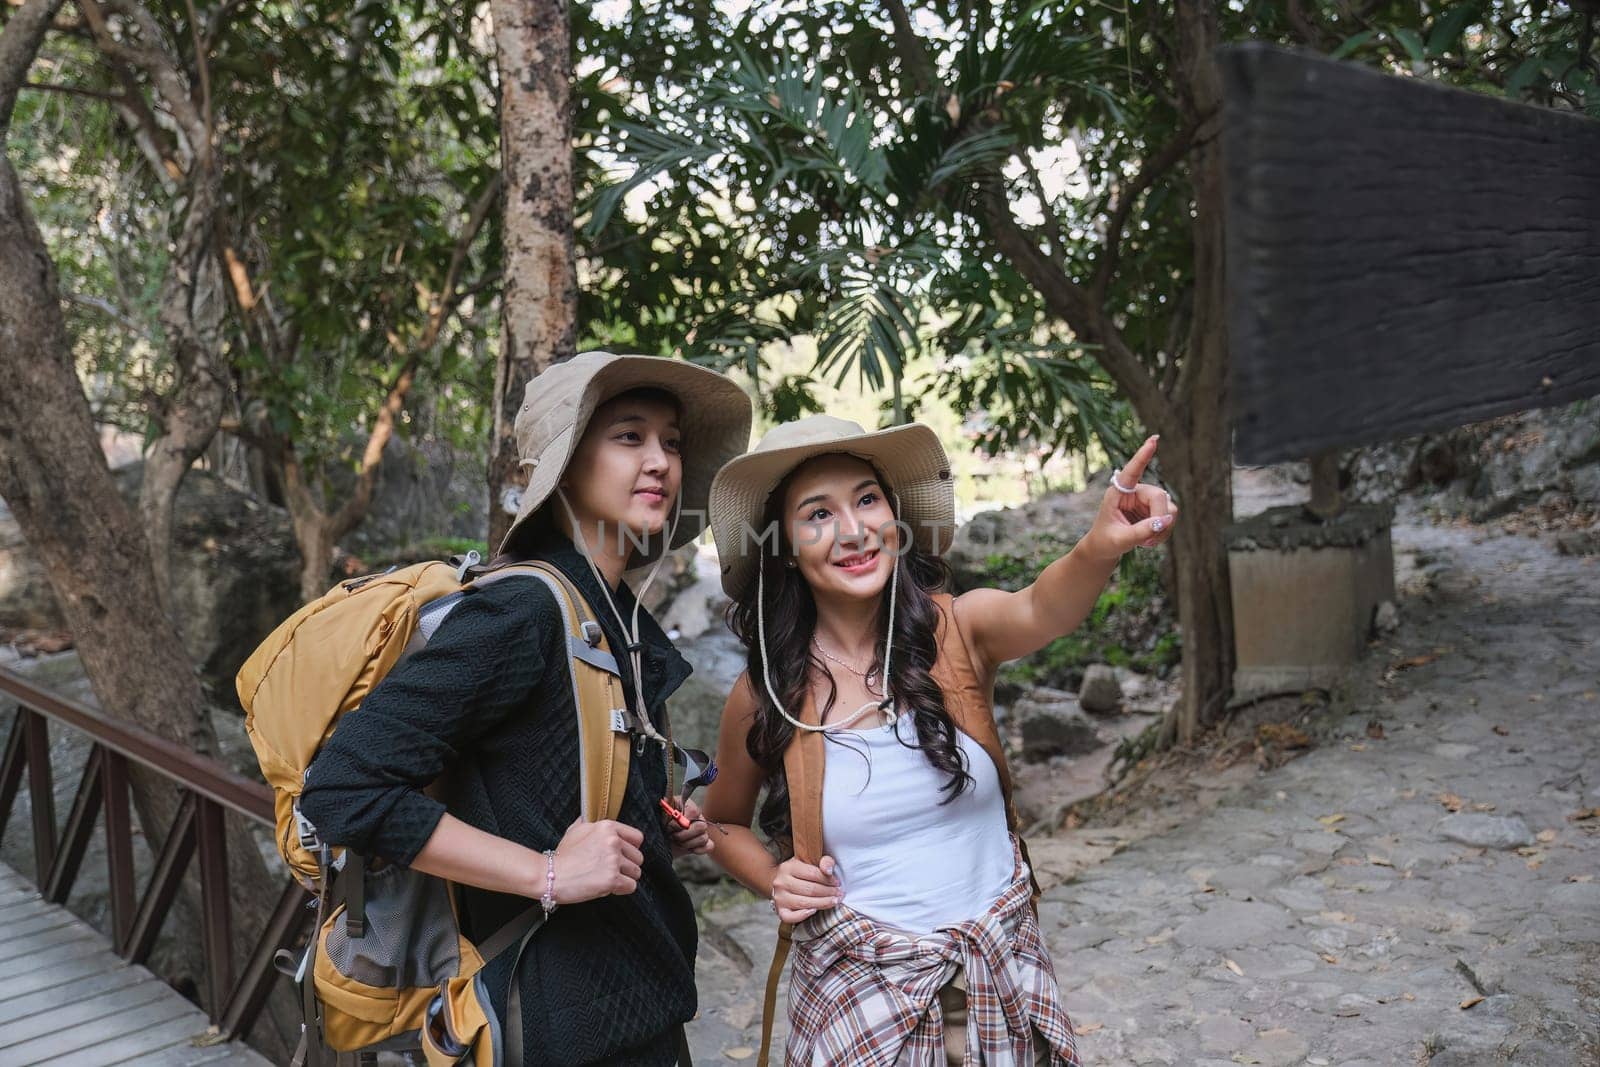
(622, 451)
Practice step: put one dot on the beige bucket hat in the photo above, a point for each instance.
(910, 457)
(558, 403)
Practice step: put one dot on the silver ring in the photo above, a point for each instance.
(1119, 486)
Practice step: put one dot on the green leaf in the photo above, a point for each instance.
(1353, 43)
(1449, 26)
(1411, 41)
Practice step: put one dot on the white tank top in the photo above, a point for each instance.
(905, 859)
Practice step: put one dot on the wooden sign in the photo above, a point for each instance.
(1402, 256)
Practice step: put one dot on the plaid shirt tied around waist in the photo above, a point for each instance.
(863, 993)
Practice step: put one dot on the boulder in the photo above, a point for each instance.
(234, 574)
(26, 601)
(1101, 692)
(1008, 548)
(1051, 723)
(427, 491)
(1489, 468)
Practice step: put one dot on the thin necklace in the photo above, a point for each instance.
(852, 668)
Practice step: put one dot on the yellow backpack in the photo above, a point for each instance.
(388, 966)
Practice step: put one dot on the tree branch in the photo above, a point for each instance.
(74, 90)
(19, 44)
(1149, 171)
(110, 310)
(914, 56)
(1070, 303)
(1052, 224)
(445, 303)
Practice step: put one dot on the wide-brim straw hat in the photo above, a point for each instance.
(909, 457)
(714, 420)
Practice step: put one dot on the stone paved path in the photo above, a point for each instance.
(1337, 910)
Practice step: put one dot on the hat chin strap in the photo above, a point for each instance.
(630, 630)
(886, 705)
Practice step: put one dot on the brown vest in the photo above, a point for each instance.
(971, 706)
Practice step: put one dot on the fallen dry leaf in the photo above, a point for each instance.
(1535, 697)
(1533, 865)
(1086, 1028)
(1580, 878)
(1408, 794)
(1331, 820)
(1470, 1001)
(742, 1052)
(1234, 967)
(1375, 730)
(1337, 916)
(1379, 861)
(1330, 959)
(1413, 661)
(1451, 801)
(1483, 807)
(1546, 836)
(1358, 748)
(1409, 996)
(1527, 850)
(1501, 730)
(1587, 813)
(1590, 694)
(1283, 735)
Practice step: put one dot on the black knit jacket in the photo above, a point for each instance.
(487, 704)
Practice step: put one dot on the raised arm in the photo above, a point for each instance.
(1004, 626)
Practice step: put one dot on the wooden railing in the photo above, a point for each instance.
(206, 787)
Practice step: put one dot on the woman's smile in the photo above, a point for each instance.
(858, 563)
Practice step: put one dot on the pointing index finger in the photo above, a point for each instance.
(1133, 470)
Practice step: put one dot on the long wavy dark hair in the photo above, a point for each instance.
(791, 620)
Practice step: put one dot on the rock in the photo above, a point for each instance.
(1579, 542)
(234, 573)
(1547, 456)
(1052, 724)
(1101, 692)
(1008, 548)
(26, 601)
(696, 708)
(427, 490)
(1485, 831)
(1386, 619)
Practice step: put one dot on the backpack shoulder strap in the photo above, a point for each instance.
(604, 743)
(769, 1003)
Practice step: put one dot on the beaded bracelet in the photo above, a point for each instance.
(548, 901)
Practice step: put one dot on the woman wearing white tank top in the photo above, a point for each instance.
(867, 714)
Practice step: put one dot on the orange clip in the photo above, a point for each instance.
(677, 816)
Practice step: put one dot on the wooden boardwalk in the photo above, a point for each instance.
(66, 998)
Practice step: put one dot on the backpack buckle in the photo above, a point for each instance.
(621, 721)
(306, 832)
(591, 633)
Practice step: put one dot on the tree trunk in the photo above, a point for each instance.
(1203, 471)
(54, 478)
(540, 305)
(313, 534)
(1195, 465)
(192, 307)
